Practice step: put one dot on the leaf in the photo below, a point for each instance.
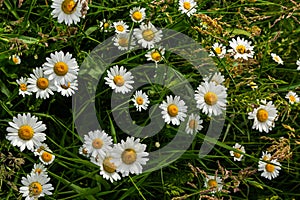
(4, 89)
(91, 30)
(237, 31)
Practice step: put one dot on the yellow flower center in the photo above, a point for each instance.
(97, 143)
(123, 42)
(241, 49)
(23, 87)
(66, 86)
(120, 28)
(119, 80)
(35, 189)
(139, 100)
(109, 166)
(137, 15)
(210, 98)
(192, 124)
(25, 132)
(42, 83)
(265, 158)
(218, 50)
(61, 68)
(68, 6)
(15, 59)
(40, 149)
(84, 151)
(129, 156)
(262, 115)
(156, 56)
(236, 154)
(148, 35)
(270, 168)
(47, 157)
(276, 58)
(38, 170)
(106, 25)
(212, 183)
(172, 110)
(187, 5)
(292, 98)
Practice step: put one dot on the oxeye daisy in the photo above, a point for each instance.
(108, 169)
(61, 68)
(22, 82)
(298, 63)
(123, 41)
(264, 117)
(138, 14)
(39, 169)
(219, 50)
(214, 183)
(241, 48)
(292, 97)
(155, 55)
(147, 35)
(266, 156)
(211, 98)
(40, 85)
(119, 80)
(120, 27)
(39, 148)
(140, 100)
(173, 110)
(129, 156)
(270, 169)
(187, 7)
(276, 58)
(97, 143)
(16, 59)
(67, 11)
(46, 157)
(35, 186)
(67, 89)
(105, 25)
(193, 124)
(84, 151)
(237, 156)
(26, 131)
(216, 78)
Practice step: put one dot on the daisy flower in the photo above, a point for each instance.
(105, 25)
(216, 78)
(22, 82)
(83, 151)
(298, 63)
(264, 117)
(119, 80)
(39, 148)
(129, 156)
(276, 58)
(39, 169)
(67, 11)
(194, 124)
(292, 97)
(211, 98)
(155, 55)
(219, 50)
(123, 41)
(187, 7)
(214, 183)
(173, 110)
(108, 169)
(237, 156)
(26, 132)
(270, 169)
(137, 14)
(46, 157)
(241, 48)
(16, 59)
(147, 35)
(61, 68)
(140, 100)
(40, 85)
(97, 143)
(67, 89)
(35, 186)
(120, 27)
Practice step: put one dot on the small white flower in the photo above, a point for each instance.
(84, 151)
(219, 50)
(119, 80)
(264, 117)
(298, 63)
(193, 124)
(39, 148)
(216, 78)
(140, 100)
(46, 157)
(120, 27)
(155, 55)
(173, 110)
(39, 169)
(237, 156)
(292, 97)
(26, 131)
(22, 82)
(276, 58)
(187, 7)
(16, 59)
(213, 183)
(124, 42)
(105, 25)
(108, 169)
(241, 48)
(67, 89)
(270, 169)
(137, 14)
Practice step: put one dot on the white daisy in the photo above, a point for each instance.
(292, 97)
(46, 157)
(213, 183)
(137, 14)
(39, 148)
(241, 48)
(193, 124)
(61, 68)
(266, 156)
(67, 89)
(120, 27)
(140, 100)
(67, 11)
(211, 98)
(16, 59)
(39, 169)
(155, 55)
(26, 132)
(187, 7)
(83, 151)
(105, 25)
(219, 50)
(129, 156)
(22, 82)
(264, 117)
(97, 143)
(35, 186)
(270, 169)
(237, 156)
(108, 169)
(276, 58)
(173, 110)
(147, 35)
(216, 78)
(123, 41)
(298, 63)
(40, 85)
(119, 80)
